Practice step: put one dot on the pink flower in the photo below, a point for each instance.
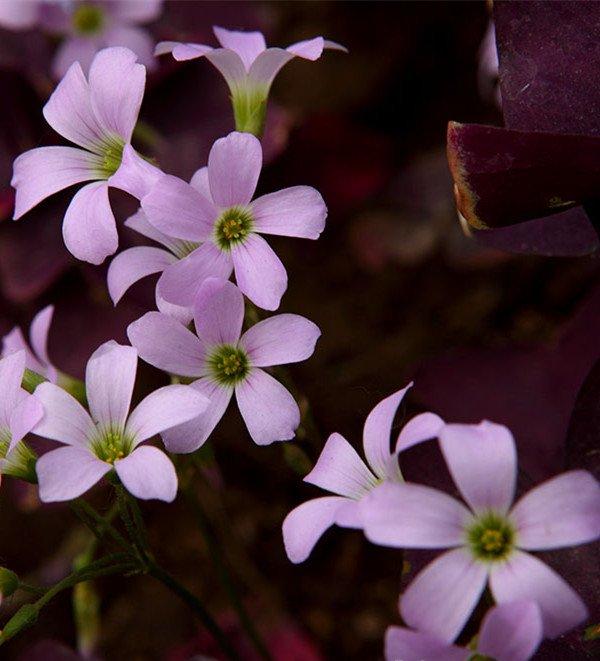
(216, 213)
(248, 66)
(509, 632)
(341, 471)
(224, 361)
(110, 437)
(89, 27)
(99, 115)
(490, 540)
(36, 352)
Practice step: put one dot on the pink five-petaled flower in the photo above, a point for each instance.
(340, 470)
(248, 66)
(224, 361)
(99, 115)
(109, 438)
(509, 632)
(36, 351)
(217, 212)
(489, 541)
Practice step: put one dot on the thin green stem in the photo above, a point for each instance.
(133, 522)
(99, 525)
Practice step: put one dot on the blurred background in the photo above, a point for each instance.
(398, 290)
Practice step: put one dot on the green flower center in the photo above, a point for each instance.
(229, 365)
(112, 445)
(232, 227)
(481, 657)
(491, 538)
(88, 19)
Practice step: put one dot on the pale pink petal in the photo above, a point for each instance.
(259, 273)
(69, 111)
(11, 374)
(377, 432)
(182, 52)
(148, 474)
(333, 45)
(165, 343)
(135, 175)
(67, 473)
(218, 312)
(564, 511)
(406, 645)
(180, 283)
(138, 40)
(483, 462)
(304, 525)
(418, 429)
(511, 631)
(24, 418)
(89, 228)
(182, 314)
(524, 577)
(18, 15)
(441, 598)
(192, 435)
(164, 408)
(41, 172)
(234, 165)
(38, 333)
(177, 209)
(248, 45)
(140, 223)
(340, 470)
(269, 410)
(267, 65)
(298, 211)
(136, 11)
(134, 264)
(117, 88)
(200, 182)
(350, 515)
(74, 50)
(109, 381)
(64, 420)
(282, 339)
(413, 516)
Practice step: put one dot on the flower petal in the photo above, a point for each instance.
(340, 470)
(524, 577)
(269, 411)
(563, 511)
(181, 282)
(218, 312)
(309, 49)
(177, 209)
(422, 427)
(134, 264)
(248, 45)
(11, 375)
(89, 228)
(147, 473)
(182, 314)
(511, 631)
(38, 333)
(182, 51)
(19, 15)
(267, 65)
(413, 516)
(406, 645)
(74, 50)
(200, 182)
(234, 165)
(164, 408)
(191, 435)
(24, 418)
(69, 111)
(109, 381)
(135, 175)
(64, 420)
(259, 273)
(140, 223)
(298, 211)
(117, 89)
(226, 61)
(304, 525)
(136, 39)
(442, 596)
(41, 172)
(67, 473)
(483, 462)
(377, 431)
(279, 340)
(134, 11)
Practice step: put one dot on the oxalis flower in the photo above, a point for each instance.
(490, 541)
(341, 471)
(248, 66)
(217, 215)
(509, 632)
(224, 361)
(99, 115)
(109, 439)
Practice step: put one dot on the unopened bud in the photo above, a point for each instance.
(9, 582)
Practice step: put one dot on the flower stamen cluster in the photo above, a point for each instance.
(229, 365)
(491, 538)
(88, 19)
(232, 227)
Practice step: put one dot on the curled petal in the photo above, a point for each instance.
(12, 367)
(418, 429)
(38, 333)
(180, 51)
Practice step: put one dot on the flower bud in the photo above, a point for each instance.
(23, 618)
(9, 582)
